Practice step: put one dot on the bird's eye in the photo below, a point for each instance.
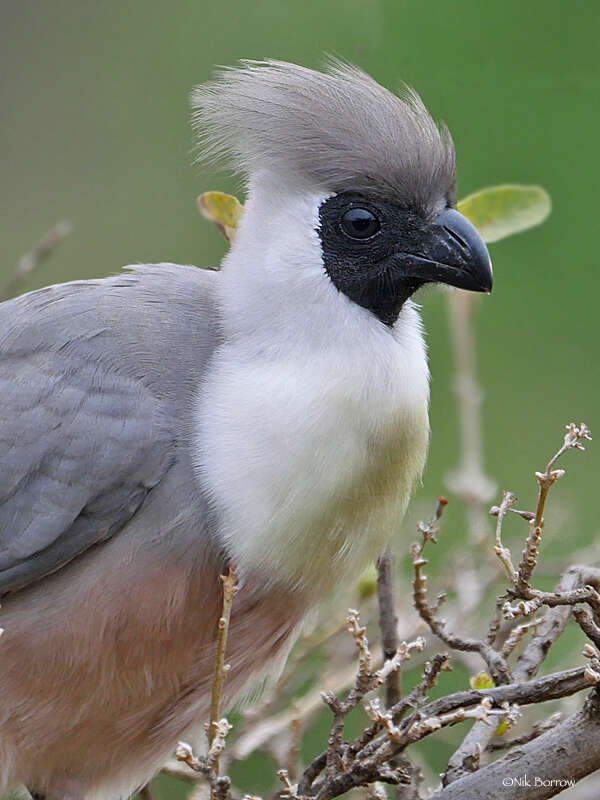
(359, 223)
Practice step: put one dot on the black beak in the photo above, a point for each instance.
(452, 252)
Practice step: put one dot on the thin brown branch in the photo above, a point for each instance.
(388, 623)
(184, 753)
(416, 697)
(334, 760)
(175, 769)
(550, 628)
(293, 758)
(554, 622)
(32, 260)
(577, 585)
(549, 687)
(516, 636)
(541, 768)
(368, 763)
(495, 662)
(468, 481)
(573, 440)
(537, 730)
(217, 729)
(289, 790)
(503, 553)
(208, 766)
(230, 584)
(587, 624)
(535, 599)
(495, 622)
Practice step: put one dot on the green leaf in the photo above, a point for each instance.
(367, 583)
(497, 212)
(223, 209)
(481, 681)
(501, 211)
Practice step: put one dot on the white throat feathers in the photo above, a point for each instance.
(312, 423)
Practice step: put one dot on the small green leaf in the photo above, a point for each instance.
(223, 209)
(501, 211)
(481, 681)
(367, 583)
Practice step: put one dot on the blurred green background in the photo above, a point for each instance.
(94, 128)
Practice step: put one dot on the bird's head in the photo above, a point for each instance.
(366, 176)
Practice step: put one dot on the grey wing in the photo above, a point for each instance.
(85, 431)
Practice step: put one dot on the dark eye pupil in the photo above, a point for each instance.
(359, 223)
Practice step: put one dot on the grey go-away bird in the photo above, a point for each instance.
(160, 425)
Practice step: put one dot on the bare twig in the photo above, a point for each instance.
(528, 736)
(358, 767)
(549, 629)
(503, 553)
(217, 729)
(335, 758)
(574, 747)
(366, 681)
(363, 745)
(388, 623)
(573, 440)
(230, 583)
(587, 624)
(209, 766)
(516, 635)
(32, 260)
(575, 587)
(289, 790)
(295, 744)
(495, 662)
(175, 769)
(184, 752)
(469, 480)
(549, 687)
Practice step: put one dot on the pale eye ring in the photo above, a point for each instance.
(360, 223)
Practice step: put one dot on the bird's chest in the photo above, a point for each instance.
(310, 462)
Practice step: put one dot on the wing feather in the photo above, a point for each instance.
(85, 431)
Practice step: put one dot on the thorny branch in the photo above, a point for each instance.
(494, 660)
(571, 589)
(521, 579)
(377, 756)
(390, 733)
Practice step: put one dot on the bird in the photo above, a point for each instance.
(166, 423)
